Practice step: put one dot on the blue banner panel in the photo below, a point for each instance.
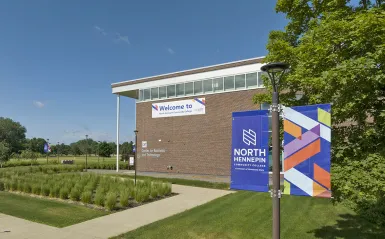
(250, 151)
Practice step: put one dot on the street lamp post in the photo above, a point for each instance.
(98, 150)
(275, 72)
(136, 151)
(86, 149)
(47, 150)
(57, 149)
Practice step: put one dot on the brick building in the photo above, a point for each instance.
(197, 140)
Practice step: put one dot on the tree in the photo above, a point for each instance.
(5, 152)
(337, 56)
(75, 150)
(12, 133)
(127, 150)
(36, 145)
(113, 147)
(105, 149)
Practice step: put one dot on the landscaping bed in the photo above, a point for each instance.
(93, 190)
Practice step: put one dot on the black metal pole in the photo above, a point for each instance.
(57, 148)
(86, 150)
(136, 152)
(276, 192)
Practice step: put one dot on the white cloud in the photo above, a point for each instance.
(171, 51)
(100, 30)
(120, 38)
(38, 104)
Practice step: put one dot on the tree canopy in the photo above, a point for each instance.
(337, 55)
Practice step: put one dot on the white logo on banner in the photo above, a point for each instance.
(249, 137)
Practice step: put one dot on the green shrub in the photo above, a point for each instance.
(75, 194)
(110, 200)
(7, 185)
(142, 195)
(86, 197)
(155, 190)
(54, 191)
(45, 189)
(64, 193)
(36, 189)
(124, 197)
(2, 186)
(27, 187)
(99, 198)
(20, 185)
(14, 185)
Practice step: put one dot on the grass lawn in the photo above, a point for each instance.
(45, 211)
(248, 215)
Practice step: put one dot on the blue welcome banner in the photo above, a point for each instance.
(250, 151)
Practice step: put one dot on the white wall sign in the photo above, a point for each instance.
(144, 144)
(196, 106)
(131, 161)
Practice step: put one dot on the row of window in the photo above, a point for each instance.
(228, 83)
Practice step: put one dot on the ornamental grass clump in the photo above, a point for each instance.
(99, 197)
(64, 193)
(36, 188)
(75, 194)
(86, 197)
(45, 190)
(110, 200)
(124, 198)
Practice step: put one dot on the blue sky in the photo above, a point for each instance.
(59, 58)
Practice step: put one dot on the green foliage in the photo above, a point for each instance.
(105, 149)
(36, 188)
(64, 193)
(27, 187)
(75, 194)
(5, 152)
(110, 200)
(87, 197)
(99, 198)
(124, 198)
(337, 56)
(45, 190)
(12, 134)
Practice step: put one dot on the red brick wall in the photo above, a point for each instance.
(197, 144)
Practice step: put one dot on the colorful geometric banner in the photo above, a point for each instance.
(250, 151)
(307, 135)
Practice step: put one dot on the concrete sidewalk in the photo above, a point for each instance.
(116, 223)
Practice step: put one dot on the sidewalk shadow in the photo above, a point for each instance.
(350, 226)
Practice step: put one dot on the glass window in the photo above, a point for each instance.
(240, 82)
(251, 80)
(218, 84)
(154, 93)
(265, 106)
(140, 95)
(146, 94)
(189, 88)
(208, 85)
(229, 83)
(198, 87)
(162, 92)
(260, 78)
(170, 91)
(180, 89)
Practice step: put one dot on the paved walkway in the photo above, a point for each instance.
(116, 223)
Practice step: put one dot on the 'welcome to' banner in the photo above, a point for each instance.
(307, 135)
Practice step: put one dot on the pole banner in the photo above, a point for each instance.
(307, 136)
(47, 148)
(250, 151)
